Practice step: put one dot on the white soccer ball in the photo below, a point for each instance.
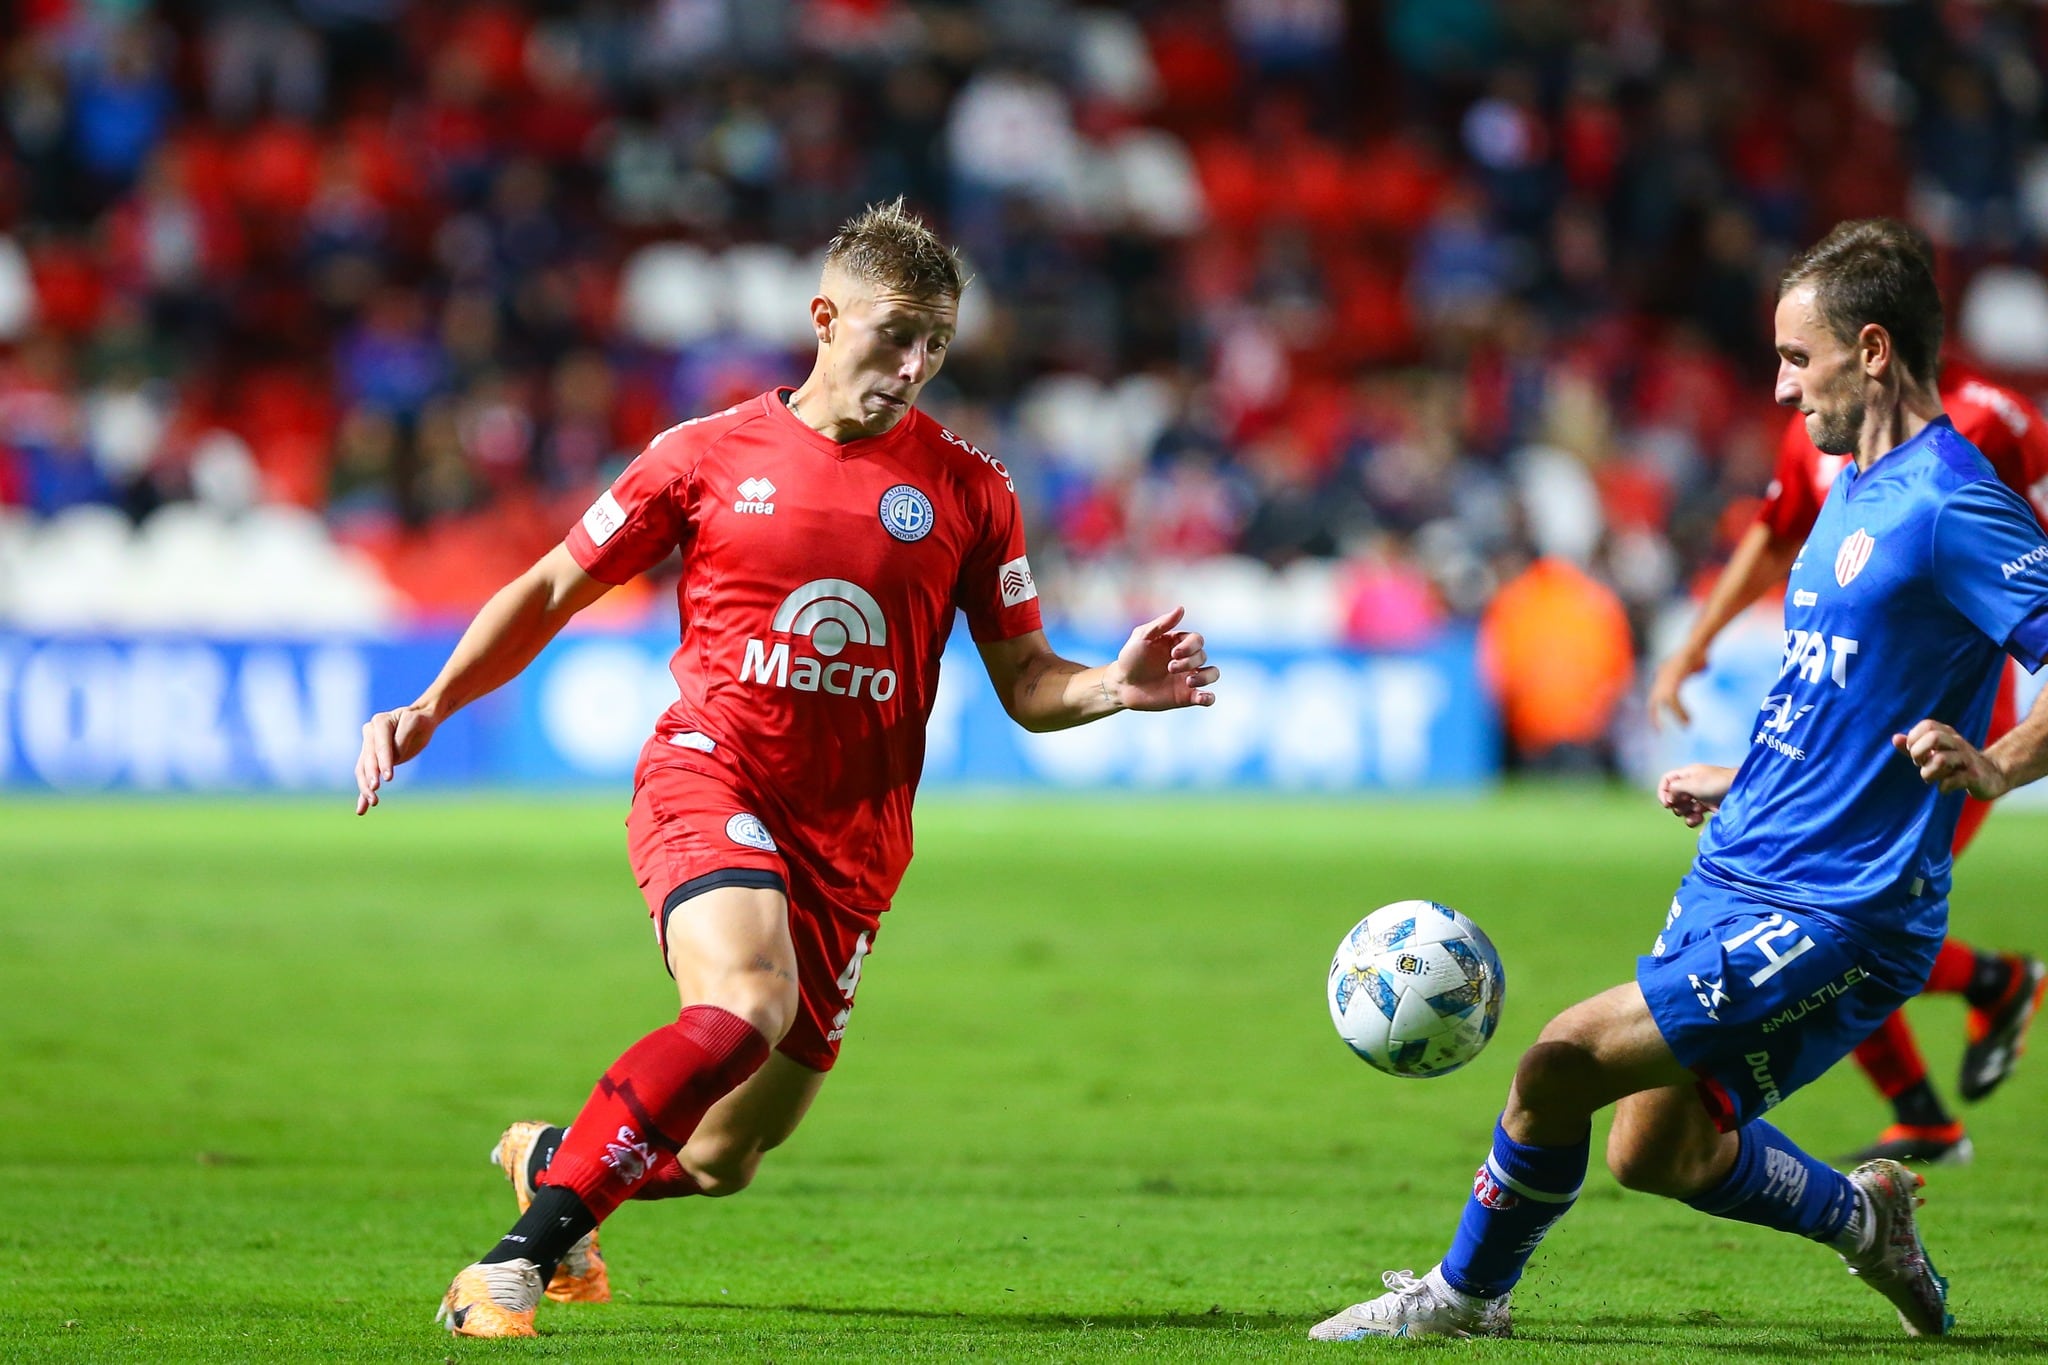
(1416, 989)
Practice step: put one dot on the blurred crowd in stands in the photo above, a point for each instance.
(1351, 311)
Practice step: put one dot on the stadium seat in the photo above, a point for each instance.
(669, 295)
(768, 294)
(74, 572)
(2004, 318)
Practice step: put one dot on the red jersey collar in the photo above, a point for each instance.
(780, 411)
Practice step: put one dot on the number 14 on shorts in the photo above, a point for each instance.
(1768, 936)
(848, 983)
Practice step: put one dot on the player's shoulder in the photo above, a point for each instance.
(973, 469)
(684, 444)
(1985, 412)
(1957, 460)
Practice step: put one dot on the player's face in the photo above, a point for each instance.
(1820, 374)
(882, 348)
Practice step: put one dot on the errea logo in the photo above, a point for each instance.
(754, 495)
(833, 614)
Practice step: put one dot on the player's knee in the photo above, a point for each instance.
(766, 1000)
(722, 1169)
(1650, 1167)
(1554, 1075)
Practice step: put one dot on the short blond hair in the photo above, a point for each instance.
(888, 245)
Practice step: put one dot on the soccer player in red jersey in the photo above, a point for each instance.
(2003, 990)
(828, 534)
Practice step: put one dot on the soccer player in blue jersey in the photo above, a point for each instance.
(1819, 894)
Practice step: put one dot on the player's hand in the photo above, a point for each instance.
(1948, 761)
(389, 739)
(1162, 669)
(1694, 792)
(1664, 685)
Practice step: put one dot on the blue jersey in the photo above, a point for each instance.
(1901, 606)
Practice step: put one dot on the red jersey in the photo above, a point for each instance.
(2006, 427)
(819, 585)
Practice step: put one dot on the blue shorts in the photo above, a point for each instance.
(1758, 1000)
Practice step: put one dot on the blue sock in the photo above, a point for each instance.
(1777, 1185)
(1516, 1196)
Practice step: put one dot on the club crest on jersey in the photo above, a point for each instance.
(1854, 554)
(748, 831)
(906, 513)
(754, 495)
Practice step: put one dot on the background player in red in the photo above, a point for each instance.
(2003, 989)
(828, 536)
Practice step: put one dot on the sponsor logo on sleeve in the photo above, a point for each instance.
(748, 831)
(1017, 582)
(604, 518)
(906, 513)
(1854, 554)
(2026, 563)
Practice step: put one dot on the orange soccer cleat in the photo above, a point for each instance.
(492, 1300)
(581, 1277)
(1925, 1144)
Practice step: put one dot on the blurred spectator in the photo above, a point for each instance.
(1559, 654)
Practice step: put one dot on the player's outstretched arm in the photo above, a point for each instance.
(1160, 668)
(512, 628)
(1694, 792)
(1952, 763)
(1760, 560)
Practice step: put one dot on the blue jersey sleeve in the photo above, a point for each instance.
(1991, 562)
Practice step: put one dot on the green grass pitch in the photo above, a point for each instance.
(252, 1055)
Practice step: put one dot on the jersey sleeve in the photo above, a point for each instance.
(1790, 505)
(636, 522)
(1991, 562)
(996, 588)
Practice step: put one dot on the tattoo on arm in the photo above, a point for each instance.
(1040, 671)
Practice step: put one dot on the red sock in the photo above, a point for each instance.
(1891, 1058)
(1954, 966)
(666, 1179)
(650, 1101)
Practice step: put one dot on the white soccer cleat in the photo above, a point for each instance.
(1412, 1307)
(1897, 1265)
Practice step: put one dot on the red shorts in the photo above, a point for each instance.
(692, 830)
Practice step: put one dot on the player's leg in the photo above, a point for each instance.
(735, 968)
(2003, 990)
(1586, 1058)
(1922, 1129)
(1756, 1002)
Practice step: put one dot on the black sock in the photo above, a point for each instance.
(542, 1154)
(546, 1231)
(1919, 1107)
(1989, 982)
